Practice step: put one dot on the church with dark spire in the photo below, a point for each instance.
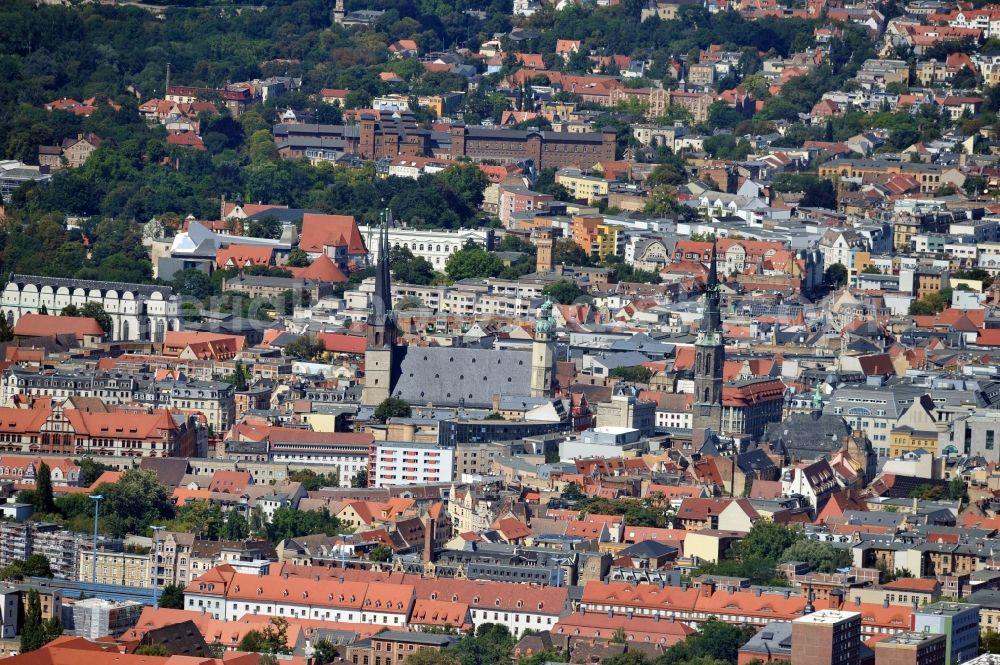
(381, 329)
(709, 356)
(447, 375)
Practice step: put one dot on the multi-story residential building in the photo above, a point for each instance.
(229, 595)
(581, 186)
(873, 410)
(115, 566)
(19, 540)
(409, 463)
(109, 387)
(930, 176)
(827, 637)
(215, 399)
(959, 622)
(596, 237)
(880, 73)
(911, 648)
(841, 246)
(518, 199)
(347, 453)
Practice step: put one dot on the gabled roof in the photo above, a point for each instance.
(43, 325)
(319, 230)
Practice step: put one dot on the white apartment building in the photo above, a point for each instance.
(410, 463)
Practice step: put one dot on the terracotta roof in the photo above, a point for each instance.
(319, 230)
(342, 342)
(322, 269)
(43, 325)
(240, 256)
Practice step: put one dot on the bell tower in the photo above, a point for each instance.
(709, 357)
(380, 347)
(543, 353)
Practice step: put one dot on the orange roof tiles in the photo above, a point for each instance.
(320, 230)
(43, 325)
(241, 256)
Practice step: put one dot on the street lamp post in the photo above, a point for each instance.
(156, 562)
(93, 556)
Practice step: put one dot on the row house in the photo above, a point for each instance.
(228, 595)
(757, 607)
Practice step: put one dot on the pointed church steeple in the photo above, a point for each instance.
(710, 356)
(381, 320)
(712, 318)
(381, 353)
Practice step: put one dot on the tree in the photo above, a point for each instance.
(36, 565)
(267, 227)
(90, 470)
(306, 347)
(380, 553)
(958, 490)
(975, 185)
(431, 657)
(821, 557)
(467, 181)
(194, 283)
(36, 633)
(564, 291)
(836, 276)
(44, 501)
(545, 656)
(324, 652)
(473, 262)
(391, 407)
(572, 492)
(240, 378)
(820, 194)
(635, 374)
(568, 253)
(6, 331)
(156, 649)
(360, 479)
(297, 258)
(236, 527)
(766, 540)
(133, 503)
(989, 642)
(928, 492)
(273, 639)
(492, 644)
(93, 310)
(172, 596)
(312, 481)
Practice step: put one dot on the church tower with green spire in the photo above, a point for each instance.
(709, 357)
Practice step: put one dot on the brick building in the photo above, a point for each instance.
(827, 637)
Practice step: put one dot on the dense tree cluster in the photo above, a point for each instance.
(768, 544)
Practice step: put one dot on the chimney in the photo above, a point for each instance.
(707, 588)
(757, 591)
(885, 602)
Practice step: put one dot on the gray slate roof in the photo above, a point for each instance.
(442, 375)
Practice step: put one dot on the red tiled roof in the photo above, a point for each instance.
(42, 325)
(319, 230)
